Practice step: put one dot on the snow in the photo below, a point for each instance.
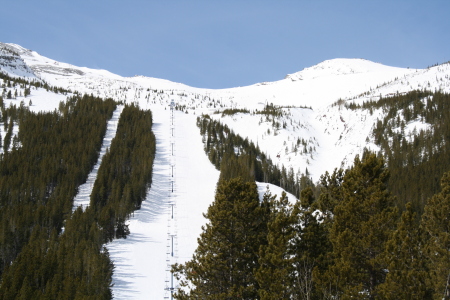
(141, 266)
(333, 134)
(274, 190)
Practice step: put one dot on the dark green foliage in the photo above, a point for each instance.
(297, 246)
(40, 172)
(233, 166)
(418, 162)
(436, 223)
(408, 275)
(311, 246)
(71, 266)
(125, 174)
(38, 182)
(226, 258)
(362, 223)
(233, 111)
(271, 110)
(235, 156)
(276, 259)
(8, 135)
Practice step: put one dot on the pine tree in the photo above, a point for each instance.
(276, 271)
(224, 262)
(362, 224)
(408, 274)
(436, 222)
(311, 246)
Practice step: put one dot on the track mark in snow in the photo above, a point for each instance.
(85, 190)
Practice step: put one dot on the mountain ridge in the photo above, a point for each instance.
(329, 127)
(305, 127)
(43, 66)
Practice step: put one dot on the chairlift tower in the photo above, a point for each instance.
(172, 231)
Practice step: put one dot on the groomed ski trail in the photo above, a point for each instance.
(140, 260)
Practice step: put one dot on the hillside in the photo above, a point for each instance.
(326, 127)
(306, 124)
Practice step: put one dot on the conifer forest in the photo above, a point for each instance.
(378, 230)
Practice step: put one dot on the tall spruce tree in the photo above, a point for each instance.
(311, 246)
(436, 222)
(226, 258)
(276, 271)
(407, 263)
(362, 224)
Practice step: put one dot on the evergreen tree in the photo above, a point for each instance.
(407, 263)
(436, 222)
(276, 271)
(362, 224)
(311, 246)
(8, 136)
(226, 258)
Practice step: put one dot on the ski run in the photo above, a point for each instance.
(165, 230)
(142, 261)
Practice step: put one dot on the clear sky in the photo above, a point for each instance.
(221, 44)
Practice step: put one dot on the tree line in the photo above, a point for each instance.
(350, 242)
(46, 250)
(235, 156)
(418, 159)
(125, 173)
(9, 83)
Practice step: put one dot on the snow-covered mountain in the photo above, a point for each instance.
(314, 133)
(333, 133)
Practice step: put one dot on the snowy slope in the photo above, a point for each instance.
(319, 85)
(141, 260)
(12, 64)
(332, 135)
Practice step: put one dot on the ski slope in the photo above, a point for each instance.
(333, 133)
(141, 260)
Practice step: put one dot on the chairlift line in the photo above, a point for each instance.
(171, 253)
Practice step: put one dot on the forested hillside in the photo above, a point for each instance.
(377, 230)
(350, 242)
(414, 136)
(51, 156)
(46, 250)
(125, 174)
(235, 156)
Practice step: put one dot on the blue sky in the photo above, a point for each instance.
(221, 44)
